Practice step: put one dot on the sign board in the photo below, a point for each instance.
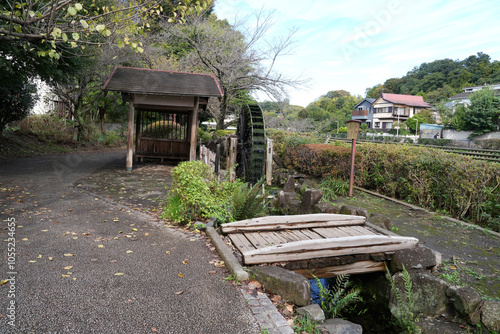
(353, 129)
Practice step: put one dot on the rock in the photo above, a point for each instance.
(465, 301)
(362, 212)
(340, 326)
(313, 311)
(325, 207)
(348, 210)
(289, 185)
(310, 198)
(289, 285)
(490, 315)
(282, 178)
(432, 325)
(281, 198)
(278, 161)
(413, 258)
(428, 294)
(381, 221)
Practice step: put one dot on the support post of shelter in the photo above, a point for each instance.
(130, 134)
(138, 126)
(194, 127)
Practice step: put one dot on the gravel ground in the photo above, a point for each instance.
(85, 264)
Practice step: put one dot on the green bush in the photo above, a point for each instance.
(284, 142)
(204, 136)
(321, 160)
(197, 194)
(114, 138)
(48, 127)
(432, 178)
(332, 187)
(434, 142)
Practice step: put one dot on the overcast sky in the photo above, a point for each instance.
(356, 44)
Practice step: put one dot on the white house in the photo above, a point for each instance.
(464, 97)
(390, 108)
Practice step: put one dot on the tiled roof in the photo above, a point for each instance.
(466, 95)
(368, 99)
(408, 100)
(145, 81)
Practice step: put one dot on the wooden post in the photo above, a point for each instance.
(137, 130)
(269, 162)
(232, 159)
(217, 160)
(352, 133)
(194, 127)
(130, 134)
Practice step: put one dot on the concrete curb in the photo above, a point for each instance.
(416, 208)
(227, 255)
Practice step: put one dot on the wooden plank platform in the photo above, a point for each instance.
(292, 239)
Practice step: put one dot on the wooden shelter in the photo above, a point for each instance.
(166, 106)
(323, 245)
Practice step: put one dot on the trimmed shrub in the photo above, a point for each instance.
(48, 127)
(162, 129)
(320, 160)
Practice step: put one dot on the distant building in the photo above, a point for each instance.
(464, 97)
(387, 109)
(363, 111)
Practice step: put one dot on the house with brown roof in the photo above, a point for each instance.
(390, 108)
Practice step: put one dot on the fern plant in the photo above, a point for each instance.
(341, 296)
(405, 318)
(247, 201)
(332, 187)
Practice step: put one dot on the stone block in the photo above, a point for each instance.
(428, 294)
(490, 315)
(348, 210)
(289, 285)
(340, 326)
(310, 198)
(313, 311)
(465, 301)
(414, 258)
(362, 212)
(380, 221)
(325, 207)
(289, 185)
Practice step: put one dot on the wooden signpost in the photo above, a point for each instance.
(352, 133)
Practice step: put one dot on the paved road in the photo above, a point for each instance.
(87, 265)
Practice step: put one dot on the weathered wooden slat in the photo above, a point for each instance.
(364, 230)
(306, 249)
(354, 268)
(271, 236)
(311, 234)
(241, 243)
(351, 230)
(288, 236)
(278, 237)
(256, 240)
(331, 232)
(292, 222)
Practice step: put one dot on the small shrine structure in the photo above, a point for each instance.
(166, 106)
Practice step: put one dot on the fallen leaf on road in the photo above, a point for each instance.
(45, 230)
(69, 254)
(64, 275)
(32, 261)
(254, 285)
(180, 275)
(68, 267)
(167, 252)
(212, 272)
(146, 234)
(134, 229)
(2, 282)
(50, 258)
(179, 292)
(75, 238)
(100, 246)
(129, 251)
(25, 239)
(153, 329)
(39, 256)
(192, 239)
(119, 274)
(186, 261)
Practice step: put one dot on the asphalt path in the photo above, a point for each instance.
(84, 264)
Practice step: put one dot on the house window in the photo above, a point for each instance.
(377, 124)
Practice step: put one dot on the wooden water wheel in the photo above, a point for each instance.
(251, 156)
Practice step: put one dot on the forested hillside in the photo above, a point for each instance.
(438, 80)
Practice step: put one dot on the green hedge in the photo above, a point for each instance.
(454, 184)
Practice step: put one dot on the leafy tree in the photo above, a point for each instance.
(375, 91)
(458, 119)
(483, 114)
(232, 55)
(17, 98)
(336, 93)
